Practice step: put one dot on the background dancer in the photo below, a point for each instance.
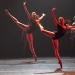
(29, 29)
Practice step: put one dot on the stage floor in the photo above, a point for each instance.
(44, 66)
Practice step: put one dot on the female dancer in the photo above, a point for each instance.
(29, 29)
(62, 28)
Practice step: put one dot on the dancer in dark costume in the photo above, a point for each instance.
(62, 28)
(29, 29)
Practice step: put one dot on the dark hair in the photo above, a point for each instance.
(67, 21)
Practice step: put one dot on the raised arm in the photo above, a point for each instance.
(54, 17)
(43, 15)
(26, 10)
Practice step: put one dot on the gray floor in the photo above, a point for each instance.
(44, 66)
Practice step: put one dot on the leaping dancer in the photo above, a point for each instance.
(62, 29)
(29, 29)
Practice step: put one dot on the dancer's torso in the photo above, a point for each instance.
(32, 26)
(60, 33)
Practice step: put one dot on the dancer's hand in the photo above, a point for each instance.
(43, 14)
(24, 3)
(6, 11)
(54, 9)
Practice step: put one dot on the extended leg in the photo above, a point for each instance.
(19, 24)
(30, 40)
(48, 33)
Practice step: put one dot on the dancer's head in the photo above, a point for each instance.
(34, 15)
(61, 20)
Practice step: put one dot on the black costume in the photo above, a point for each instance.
(32, 26)
(60, 33)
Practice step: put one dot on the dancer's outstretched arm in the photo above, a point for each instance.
(70, 27)
(26, 10)
(43, 15)
(19, 24)
(54, 17)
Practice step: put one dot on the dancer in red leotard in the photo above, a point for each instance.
(29, 29)
(62, 28)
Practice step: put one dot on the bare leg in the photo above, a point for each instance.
(48, 33)
(19, 24)
(56, 47)
(55, 44)
(30, 40)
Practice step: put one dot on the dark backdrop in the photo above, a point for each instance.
(11, 45)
